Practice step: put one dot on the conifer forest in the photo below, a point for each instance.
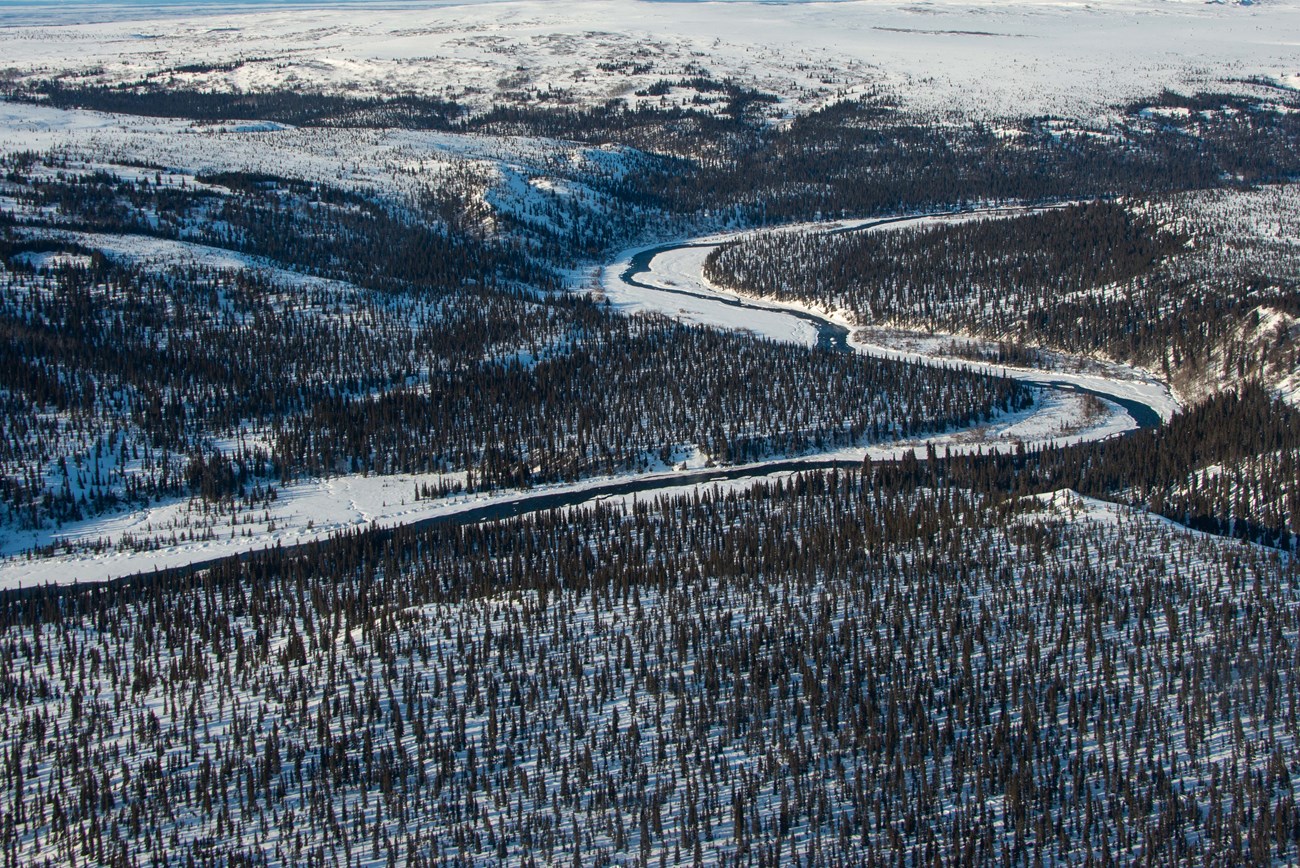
(631, 433)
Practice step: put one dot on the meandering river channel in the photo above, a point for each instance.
(1146, 405)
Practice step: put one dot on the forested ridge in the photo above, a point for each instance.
(282, 106)
(938, 276)
(856, 157)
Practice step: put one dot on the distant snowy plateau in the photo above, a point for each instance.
(999, 59)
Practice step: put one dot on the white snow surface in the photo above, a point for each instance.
(680, 269)
(999, 58)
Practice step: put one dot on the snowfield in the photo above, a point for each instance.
(342, 381)
(952, 59)
(1010, 58)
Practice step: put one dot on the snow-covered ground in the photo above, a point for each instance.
(398, 165)
(679, 269)
(1237, 236)
(1006, 58)
(149, 252)
(263, 684)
